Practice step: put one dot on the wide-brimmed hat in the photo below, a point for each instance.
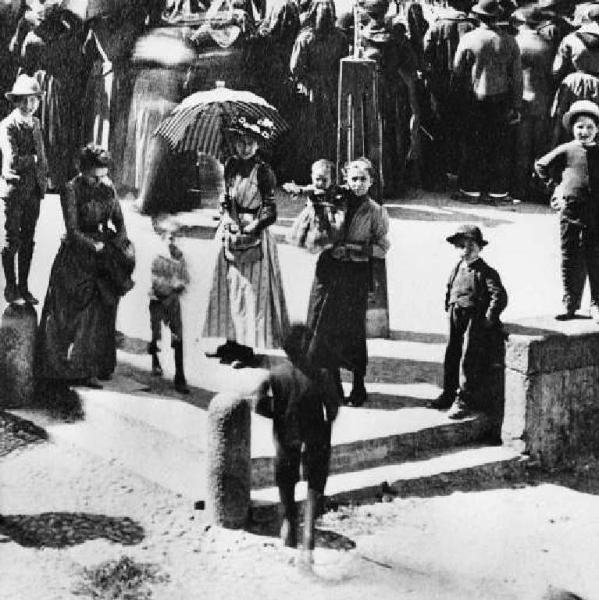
(375, 7)
(471, 232)
(531, 15)
(553, 4)
(581, 107)
(24, 86)
(262, 130)
(486, 8)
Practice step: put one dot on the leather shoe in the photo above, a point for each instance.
(442, 402)
(29, 297)
(11, 293)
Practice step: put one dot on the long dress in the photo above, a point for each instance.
(247, 301)
(315, 66)
(339, 295)
(77, 329)
(52, 53)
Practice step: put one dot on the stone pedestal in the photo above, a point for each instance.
(229, 460)
(17, 348)
(552, 389)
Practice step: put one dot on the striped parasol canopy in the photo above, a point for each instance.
(199, 122)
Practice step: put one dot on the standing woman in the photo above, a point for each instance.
(318, 49)
(90, 272)
(339, 296)
(247, 304)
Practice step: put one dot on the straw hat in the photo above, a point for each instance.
(471, 232)
(24, 86)
(581, 107)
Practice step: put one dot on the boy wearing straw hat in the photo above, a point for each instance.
(22, 185)
(574, 167)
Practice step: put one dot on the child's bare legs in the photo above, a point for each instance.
(289, 524)
(310, 514)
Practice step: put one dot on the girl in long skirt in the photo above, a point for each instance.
(339, 296)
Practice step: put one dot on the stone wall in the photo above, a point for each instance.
(552, 389)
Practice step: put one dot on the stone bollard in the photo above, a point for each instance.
(17, 350)
(229, 456)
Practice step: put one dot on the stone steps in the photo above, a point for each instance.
(467, 468)
(163, 438)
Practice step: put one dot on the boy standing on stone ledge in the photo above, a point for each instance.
(572, 172)
(22, 185)
(474, 300)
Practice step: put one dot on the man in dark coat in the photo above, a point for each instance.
(440, 45)
(23, 184)
(488, 72)
(579, 50)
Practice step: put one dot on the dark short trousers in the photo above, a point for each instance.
(313, 455)
(167, 311)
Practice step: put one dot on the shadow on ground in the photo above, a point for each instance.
(323, 538)
(62, 529)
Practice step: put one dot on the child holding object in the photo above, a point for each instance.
(169, 280)
(572, 170)
(302, 402)
(318, 224)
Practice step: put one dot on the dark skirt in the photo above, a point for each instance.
(76, 337)
(337, 314)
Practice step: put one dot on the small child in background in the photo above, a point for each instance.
(474, 300)
(169, 280)
(317, 225)
(303, 402)
(574, 167)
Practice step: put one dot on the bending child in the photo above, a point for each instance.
(302, 402)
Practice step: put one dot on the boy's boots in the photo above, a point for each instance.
(11, 292)
(24, 264)
(153, 352)
(180, 382)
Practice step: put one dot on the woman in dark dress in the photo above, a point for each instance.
(339, 296)
(318, 49)
(91, 271)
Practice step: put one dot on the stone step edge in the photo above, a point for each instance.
(388, 449)
(365, 485)
(346, 456)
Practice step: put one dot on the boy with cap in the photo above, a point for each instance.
(574, 167)
(474, 300)
(22, 185)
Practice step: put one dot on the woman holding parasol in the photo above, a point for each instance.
(247, 303)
